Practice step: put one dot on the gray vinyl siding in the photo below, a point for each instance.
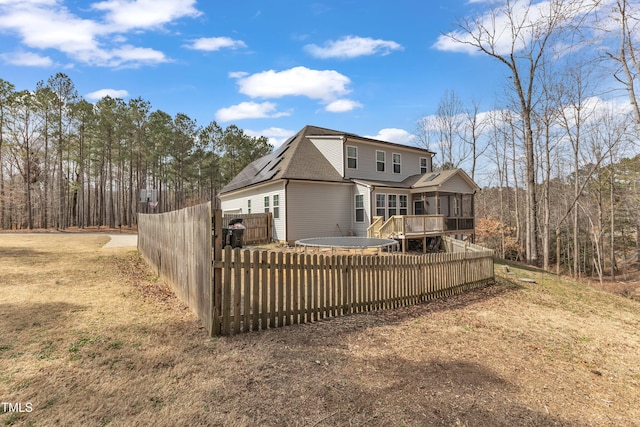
(410, 162)
(238, 201)
(331, 149)
(319, 210)
(456, 184)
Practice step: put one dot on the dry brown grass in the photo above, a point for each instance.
(90, 337)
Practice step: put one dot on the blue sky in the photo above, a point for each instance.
(269, 67)
(373, 68)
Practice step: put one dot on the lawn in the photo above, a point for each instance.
(89, 336)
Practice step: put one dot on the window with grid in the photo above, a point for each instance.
(380, 161)
(352, 157)
(403, 200)
(381, 206)
(266, 204)
(276, 206)
(396, 162)
(393, 204)
(424, 165)
(249, 206)
(359, 208)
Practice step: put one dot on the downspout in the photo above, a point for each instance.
(286, 211)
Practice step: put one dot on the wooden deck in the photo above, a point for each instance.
(406, 227)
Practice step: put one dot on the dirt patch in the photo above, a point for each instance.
(92, 337)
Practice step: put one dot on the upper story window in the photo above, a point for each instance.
(424, 165)
(381, 161)
(397, 161)
(352, 157)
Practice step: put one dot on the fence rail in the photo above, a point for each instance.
(267, 289)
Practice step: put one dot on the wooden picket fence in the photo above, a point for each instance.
(267, 289)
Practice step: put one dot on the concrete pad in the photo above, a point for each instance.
(122, 241)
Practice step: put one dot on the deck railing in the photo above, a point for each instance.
(407, 225)
(374, 229)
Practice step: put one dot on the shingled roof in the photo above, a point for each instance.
(297, 158)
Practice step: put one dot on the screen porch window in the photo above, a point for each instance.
(352, 157)
(396, 163)
(266, 204)
(380, 161)
(359, 208)
(276, 206)
(381, 206)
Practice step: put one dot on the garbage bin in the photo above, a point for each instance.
(225, 236)
(236, 232)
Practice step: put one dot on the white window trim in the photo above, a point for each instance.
(355, 210)
(393, 163)
(276, 197)
(389, 207)
(347, 156)
(426, 159)
(384, 207)
(406, 208)
(384, 161)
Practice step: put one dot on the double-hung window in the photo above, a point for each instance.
(393, 204)
(352, 157)
(249, 206)
(381, 206)
(276, 206)
(380, 161)
(424, 165)
(266, 204)
(359, 204)
(404, 204)
(396, 162)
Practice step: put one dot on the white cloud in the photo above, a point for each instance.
(324, 85)
(399, 136)
(352, 47)
(112, 93)
(276, 136)
(124, 15)
(495, 26)
(28, 59)
(342, 106)
(249, 110)
(49, 24)
(211, 44)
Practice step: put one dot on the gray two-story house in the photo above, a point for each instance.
(323, 183)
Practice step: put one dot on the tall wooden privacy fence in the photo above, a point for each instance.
(266, 289)
(178, 245)
(258, 226)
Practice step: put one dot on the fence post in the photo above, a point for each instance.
(216, 294)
